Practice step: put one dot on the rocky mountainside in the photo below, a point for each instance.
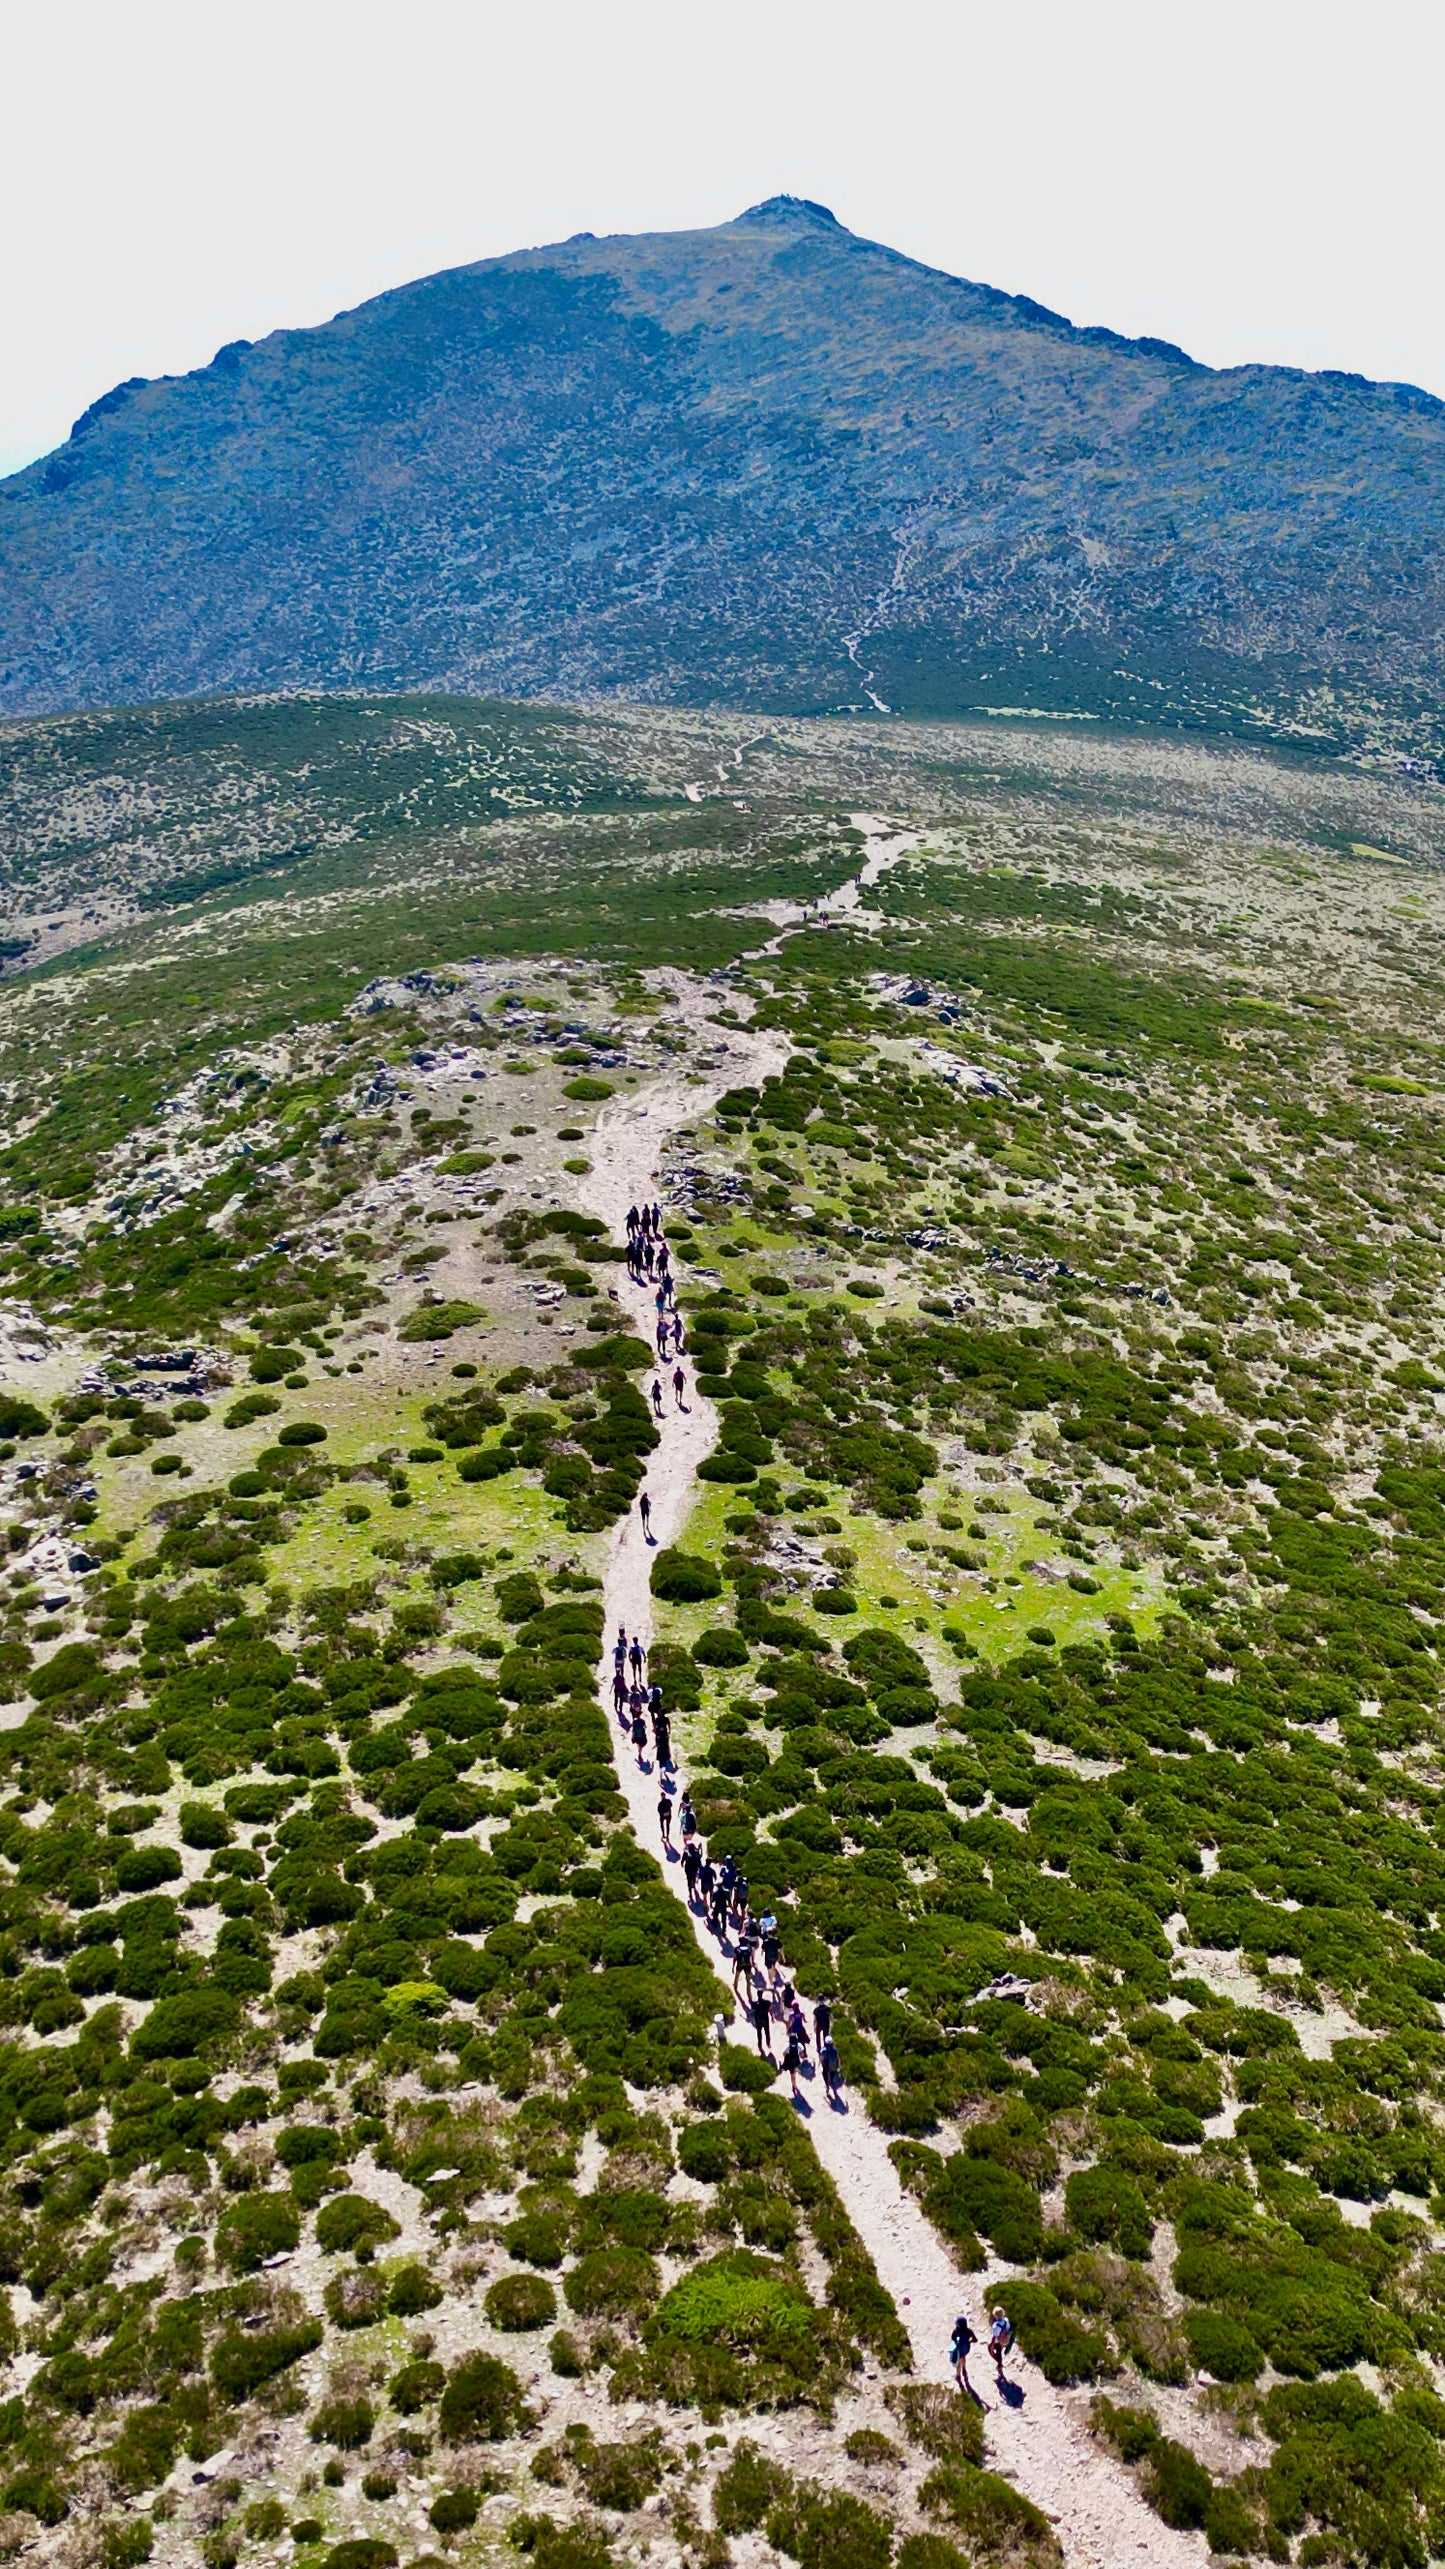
(770, 464)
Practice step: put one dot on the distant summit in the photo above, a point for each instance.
(770, 464)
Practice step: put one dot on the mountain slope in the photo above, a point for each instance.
(769, 463)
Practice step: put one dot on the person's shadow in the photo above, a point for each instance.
(1011, 2393)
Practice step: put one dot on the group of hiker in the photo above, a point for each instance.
(648, 1255)
(718, 1891)
(999, 2342)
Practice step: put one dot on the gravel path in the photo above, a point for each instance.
(1041, 2444)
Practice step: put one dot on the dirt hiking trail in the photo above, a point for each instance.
(1042, 2444)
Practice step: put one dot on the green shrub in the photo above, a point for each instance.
(587, 1092)
(819, 2528)
(1222, 2347)
(454, 2510)
(518, 2302)
(239, 2365)
(482, 2402)
(303, 1431)
(21, 1418)
(203, 1826)
(1063, 2351)
(683, 1579)
(416, 2386)
(74, 1665)
(250, 1406)
(433, 1321)
(611, 2282)
(720, 1647)
(350, 2221)
(738, 2299)
(254, 2227)
(346, 2423)
(744, 2073)
(145, 1868)
(996, 2523)
(411, 2291)
(747, 2490)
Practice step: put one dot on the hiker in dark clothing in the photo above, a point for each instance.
(762, 2023)
(743, 1963)
(635, 1657)
(958, 2351)
(662, 1740)
(679, 1386)
(664, 1818)
(832, 2069)
(633, 1218)
(644, 1510)
(690, 1861)
(822, 2021)
(639, 1738)
(656, 1397)
(792, 2063)
(706, 1882)
(687, 1821)
(619, 1692)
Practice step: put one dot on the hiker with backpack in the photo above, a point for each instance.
(832, 2069)
(1001, 2335)
(962, 2339)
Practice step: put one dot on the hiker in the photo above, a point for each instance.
(656, 1397)
(743, 1962)
(687, 1822)
(772, 1947)
(792, 2063)
(636, 1657)
(662, 1740)
(632, 1221)
(657, 1220)
(664, 1819)
(689, 1864)
(1001, 2333)
(762, 2023)
(678, 1340)
(822, 2021)
(832, 2069)
(619, 1691)
(679, 1384)
(644, 1510)
(661, 1341)
(719, 1917)
(958, 2345)
(619, 1647)
(639, 1737)
(797, 2029)
(740, 1898)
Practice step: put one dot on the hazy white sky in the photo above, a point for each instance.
(1258, 179)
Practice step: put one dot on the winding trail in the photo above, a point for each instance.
(1042, 2445)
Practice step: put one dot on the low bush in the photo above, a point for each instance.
(482, 2402)
(255, 2227)
(683, 1578)
(518, 2302)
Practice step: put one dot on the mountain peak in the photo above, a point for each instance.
(791, 209)
(728, 466)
